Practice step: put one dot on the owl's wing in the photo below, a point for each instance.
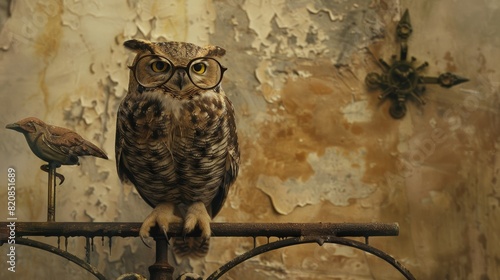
(232, 162)
(121, 165)
(121, 160)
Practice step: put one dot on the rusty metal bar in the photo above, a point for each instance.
(161, 269)
(51, 194)
(69, 229)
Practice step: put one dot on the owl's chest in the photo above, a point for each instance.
(153, 119)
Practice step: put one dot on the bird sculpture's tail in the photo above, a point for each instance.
(89, 149)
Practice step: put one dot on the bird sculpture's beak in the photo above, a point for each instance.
(14, 126)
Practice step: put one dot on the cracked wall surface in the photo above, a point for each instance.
(317, 146)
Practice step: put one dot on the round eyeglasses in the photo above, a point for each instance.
(155, 70)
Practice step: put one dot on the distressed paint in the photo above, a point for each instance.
(337, 179)
(316, 145)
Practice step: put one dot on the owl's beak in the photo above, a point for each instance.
(180, 78)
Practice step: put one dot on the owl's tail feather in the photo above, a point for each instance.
(195, 247)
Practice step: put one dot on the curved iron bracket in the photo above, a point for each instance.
(72, 258)
(310, 239)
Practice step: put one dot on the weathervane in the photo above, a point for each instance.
(57, 146)
(401, 79)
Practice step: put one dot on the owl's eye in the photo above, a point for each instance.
(199, 68)
(160, 66)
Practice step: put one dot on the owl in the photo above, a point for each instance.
(176, 138)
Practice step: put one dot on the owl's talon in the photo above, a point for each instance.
(197, 215)
(165, 232)
(144, 230)
(145, 240)
(163, 214)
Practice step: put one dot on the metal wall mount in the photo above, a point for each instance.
(288, 234)
(401, 79)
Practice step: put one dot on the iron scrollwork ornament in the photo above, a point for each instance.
(401, 79)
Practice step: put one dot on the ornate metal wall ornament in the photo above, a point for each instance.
(401, 79)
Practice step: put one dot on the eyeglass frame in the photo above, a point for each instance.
(133, 68)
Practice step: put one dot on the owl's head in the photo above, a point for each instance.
(177, 68)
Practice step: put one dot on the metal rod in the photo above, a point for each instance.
(404, 51)
(218, 229)
(161, 269)
(51, 199)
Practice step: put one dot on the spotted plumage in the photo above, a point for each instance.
(176, 136)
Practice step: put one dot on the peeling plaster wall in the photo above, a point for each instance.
(316, 145)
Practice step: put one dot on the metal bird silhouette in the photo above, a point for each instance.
(55, 145)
